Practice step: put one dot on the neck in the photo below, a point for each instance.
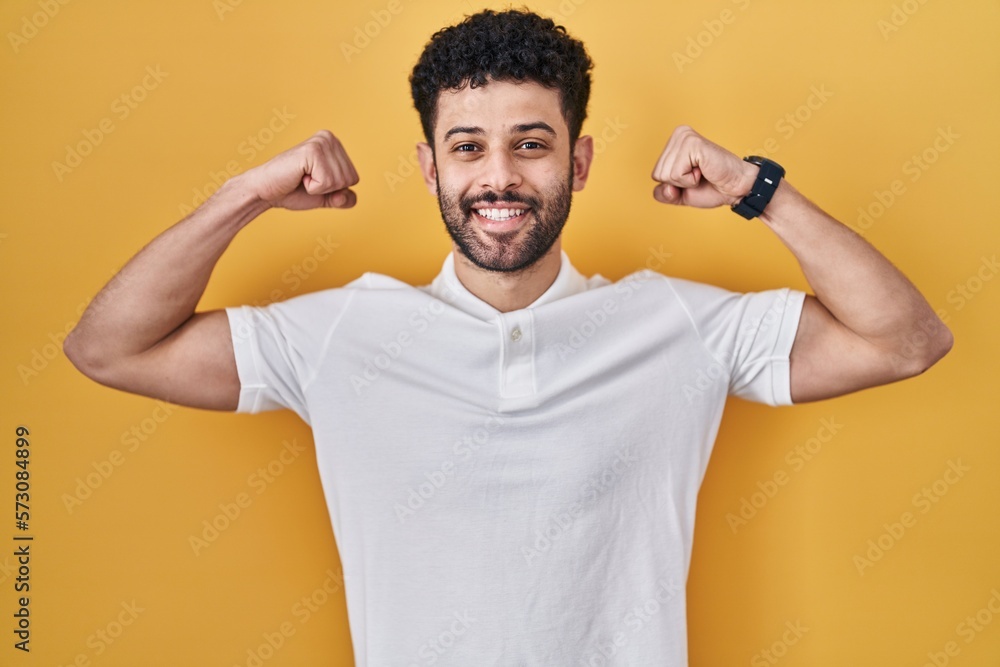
(510, 291)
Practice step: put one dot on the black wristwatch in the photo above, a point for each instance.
(763, 188)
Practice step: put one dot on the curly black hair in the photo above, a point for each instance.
(512, 45)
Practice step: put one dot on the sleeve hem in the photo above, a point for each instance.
(781, 372)
(251, 385)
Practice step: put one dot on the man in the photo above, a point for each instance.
(511, 455)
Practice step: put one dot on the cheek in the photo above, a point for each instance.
(548, 173)
(453, 182)
(552, 183)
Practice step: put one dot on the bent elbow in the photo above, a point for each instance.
(83, 356)
(71, 349)
(943, 344)
(937, 346)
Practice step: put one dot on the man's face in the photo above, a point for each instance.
(503, 172)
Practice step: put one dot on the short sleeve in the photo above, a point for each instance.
(279, 348)
(751, 334)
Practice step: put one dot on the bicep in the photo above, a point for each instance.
(827, 359)
(194, 366)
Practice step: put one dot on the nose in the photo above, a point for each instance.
(499, 172)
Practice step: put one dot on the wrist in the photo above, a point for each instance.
(768, 176)
(241, 189)
(777, 208)
(241, 201)
(746, 181)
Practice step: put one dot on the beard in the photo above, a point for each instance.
(507, 252)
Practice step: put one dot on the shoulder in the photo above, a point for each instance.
(321, 309)
(662, 287)
(705, 306)
(366, 284)
(377, 281)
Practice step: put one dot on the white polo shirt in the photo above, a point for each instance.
(515, 488)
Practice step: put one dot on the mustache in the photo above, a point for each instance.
(493, 198)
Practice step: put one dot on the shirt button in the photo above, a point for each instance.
(515, 335)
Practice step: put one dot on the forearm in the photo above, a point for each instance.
(856, 283)
(159, 288)
(867, 325)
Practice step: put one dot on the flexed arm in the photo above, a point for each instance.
(867, 324)
(141, 333)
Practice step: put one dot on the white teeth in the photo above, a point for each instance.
(500, 214)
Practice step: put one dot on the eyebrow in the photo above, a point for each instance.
(538, 125)
(517, 129)
(463, 130)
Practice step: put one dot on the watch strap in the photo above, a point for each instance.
(768, 177)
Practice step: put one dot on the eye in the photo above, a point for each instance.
(534, 145)
(465, 148)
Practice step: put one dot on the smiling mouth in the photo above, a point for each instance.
(497, 214)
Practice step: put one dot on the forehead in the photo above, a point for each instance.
(498, 107)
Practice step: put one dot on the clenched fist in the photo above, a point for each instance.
(315, 174)
(692, 171)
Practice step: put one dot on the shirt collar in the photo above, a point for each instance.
(447, 287)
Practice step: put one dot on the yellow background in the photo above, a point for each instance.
(228, 67)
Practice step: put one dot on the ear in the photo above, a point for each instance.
(583, 155)
(426, 157)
